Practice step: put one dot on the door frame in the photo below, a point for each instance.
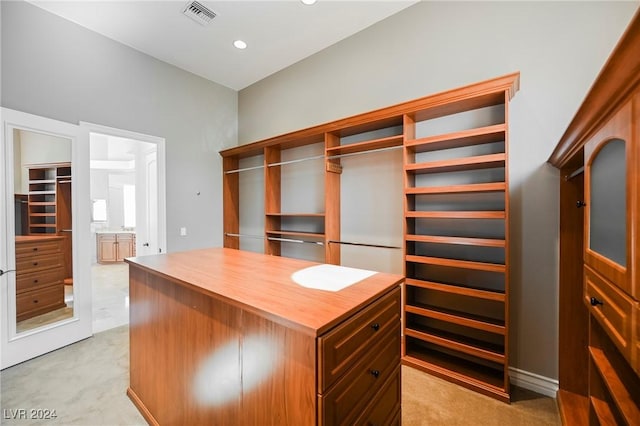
(160, 144)
(19, 347)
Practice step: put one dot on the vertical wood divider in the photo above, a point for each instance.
(331, 202)
(231, 202)
(507, 238)
(272, 197)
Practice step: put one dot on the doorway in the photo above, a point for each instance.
(127, 215)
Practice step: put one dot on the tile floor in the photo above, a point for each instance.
(110, 284)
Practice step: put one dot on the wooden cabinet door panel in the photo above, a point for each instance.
(107, 251)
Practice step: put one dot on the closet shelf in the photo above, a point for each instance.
(460, 214)
(353, 148)
(42, 192)
(455, 263)
(318, 215)
(453, 189)
(42, 181)
(296, 234)
(467, 373)
(465, 319)
(481, 242)
(43, 215)
(464, 344)
(621, 396)
(456, 289)
(42, 225)
(490, 161)
(42, 203)
(478, 136)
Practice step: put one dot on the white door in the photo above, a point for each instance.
(39, 312)
(150, 246)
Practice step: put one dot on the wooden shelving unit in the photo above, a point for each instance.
(454, 341)
(49, 206)
(475, 339)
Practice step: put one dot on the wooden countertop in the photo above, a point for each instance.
(262, 284)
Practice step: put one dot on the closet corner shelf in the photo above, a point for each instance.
(353, 148)
(455, 289)
(478, 136)
(621, 396)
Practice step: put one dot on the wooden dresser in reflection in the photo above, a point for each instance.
(222, 336)
(39, 275)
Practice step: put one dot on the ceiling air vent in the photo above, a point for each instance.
(199, 13)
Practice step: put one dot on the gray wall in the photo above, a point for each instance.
(54, 68)
(433, 46)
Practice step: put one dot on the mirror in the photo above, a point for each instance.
(43, 229)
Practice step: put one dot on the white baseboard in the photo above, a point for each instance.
(533, 382)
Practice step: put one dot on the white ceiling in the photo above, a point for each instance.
(279, 33)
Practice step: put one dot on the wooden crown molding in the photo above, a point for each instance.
(484, 93)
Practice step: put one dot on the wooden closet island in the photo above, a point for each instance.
(222, 336)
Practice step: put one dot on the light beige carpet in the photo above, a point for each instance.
(86, 382)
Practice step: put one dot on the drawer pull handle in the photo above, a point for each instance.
(35, 281)
(375, 373)
(35, 301)
(595, 302)
(35, 249)
(375, 326)
(35, 263)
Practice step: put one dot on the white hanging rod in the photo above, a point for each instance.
(244, 169)
(258, 237)
(371, 151)
(299, 160)
(291, 240)
(349, 243)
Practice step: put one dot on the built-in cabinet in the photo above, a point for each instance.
(599, 159)
(115, 247)
(454, 235)
(49, 206)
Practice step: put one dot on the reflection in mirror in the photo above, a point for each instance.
(42, 202)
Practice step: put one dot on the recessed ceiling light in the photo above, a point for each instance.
(308, 2)
(240, 44)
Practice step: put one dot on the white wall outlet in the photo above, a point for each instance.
(183, 231)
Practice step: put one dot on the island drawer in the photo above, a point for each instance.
(347, 400)
(385, 406)
(348, 342)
